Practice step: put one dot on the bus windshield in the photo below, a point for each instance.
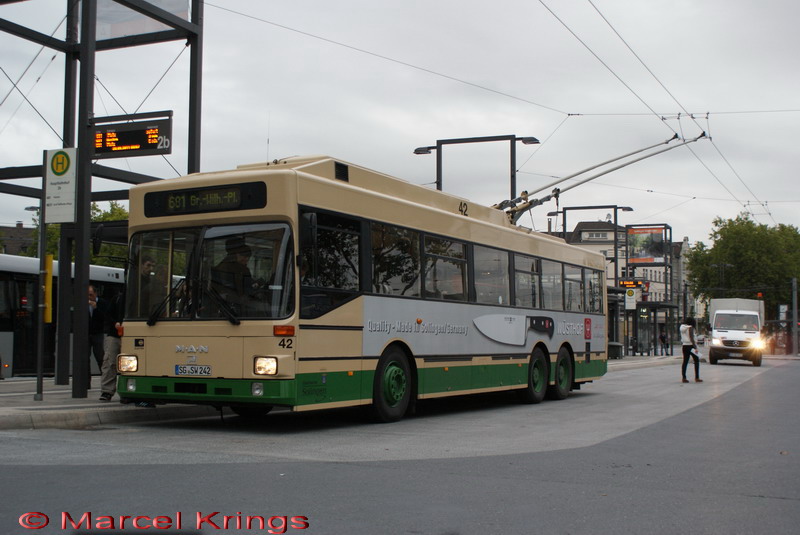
(224, 272)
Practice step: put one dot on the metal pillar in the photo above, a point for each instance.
(63, 316)
(195, 88)
(80, 315)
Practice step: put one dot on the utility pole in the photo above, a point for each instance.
(794, 316)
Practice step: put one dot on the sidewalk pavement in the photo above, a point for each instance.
(58, 409)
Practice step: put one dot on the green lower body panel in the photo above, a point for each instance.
(306, 389)
(590, 370)
(331, 387)
(465, 378)
(207, 391)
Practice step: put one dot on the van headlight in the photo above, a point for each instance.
(757, 343)
(716, 342)
(265, 365)
(127, 363)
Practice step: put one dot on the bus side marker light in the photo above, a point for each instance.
(257, 389)
(265, 366)
(128, 363)
(283, 330)
(446, 369)
(419, 321)
(349, 374)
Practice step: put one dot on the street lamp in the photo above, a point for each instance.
(512, 139)
(39, 396)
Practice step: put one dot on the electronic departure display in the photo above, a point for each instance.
(246, 196)
(142, 138)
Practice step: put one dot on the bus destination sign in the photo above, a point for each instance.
(142, 138)
(246, 196)
(203, 200)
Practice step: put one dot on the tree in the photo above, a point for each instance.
(108, 253)
(746, 259)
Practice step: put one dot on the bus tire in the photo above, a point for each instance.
(391, 387)
(251, 412)
(563, 376)
(538, 373)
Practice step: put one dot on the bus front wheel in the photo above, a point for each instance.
(537, 378)
(391, 391)
(563, 376)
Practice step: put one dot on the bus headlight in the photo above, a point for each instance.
(757, 343)
(128, 363)
(265, 366)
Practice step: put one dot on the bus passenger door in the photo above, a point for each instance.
(23, 299)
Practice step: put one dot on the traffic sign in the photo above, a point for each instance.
(59, 186)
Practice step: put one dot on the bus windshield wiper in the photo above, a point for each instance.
(223, 305)
(160, 308)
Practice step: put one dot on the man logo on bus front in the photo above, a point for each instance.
(191, 349)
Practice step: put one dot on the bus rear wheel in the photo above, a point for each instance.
(391, 390)
(563, 376)
(537, 378)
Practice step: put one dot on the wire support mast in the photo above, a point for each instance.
(515, 208)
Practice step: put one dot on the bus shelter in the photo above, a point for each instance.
(647, 323)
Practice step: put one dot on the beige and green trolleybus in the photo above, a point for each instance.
(312, 283)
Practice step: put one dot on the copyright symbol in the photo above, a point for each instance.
(33, 520)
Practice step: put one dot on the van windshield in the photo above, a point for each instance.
(736, 322)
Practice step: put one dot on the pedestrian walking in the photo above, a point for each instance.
(689, 350)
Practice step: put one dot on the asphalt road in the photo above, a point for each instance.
(637, 452)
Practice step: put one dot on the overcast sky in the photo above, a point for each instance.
(367, 81)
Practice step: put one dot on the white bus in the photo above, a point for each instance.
(19, 297)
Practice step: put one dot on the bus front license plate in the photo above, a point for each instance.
(192, 370)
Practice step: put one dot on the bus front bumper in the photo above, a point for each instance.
(206, 391)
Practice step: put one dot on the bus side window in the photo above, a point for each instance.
(491, 276)
(329, 266)
(445, 269)
(395, 260)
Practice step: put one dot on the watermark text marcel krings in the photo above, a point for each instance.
(215, 520)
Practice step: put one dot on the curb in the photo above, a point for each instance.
(85, 418)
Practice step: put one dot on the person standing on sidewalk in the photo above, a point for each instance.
(689, 350)
(112, 345)
(97, 313)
